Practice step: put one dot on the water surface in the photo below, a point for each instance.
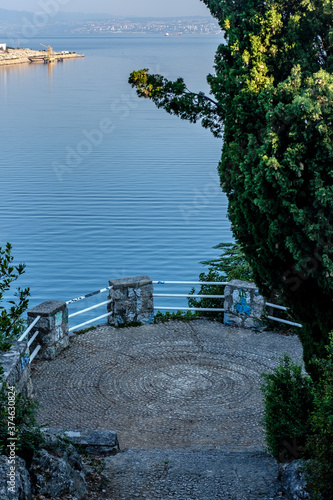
(98, 184)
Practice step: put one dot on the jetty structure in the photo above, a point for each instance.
(28, 56)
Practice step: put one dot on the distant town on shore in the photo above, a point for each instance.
(24, 27)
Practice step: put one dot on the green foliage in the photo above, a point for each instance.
(84, 330)
(230, 265)
(298, 419)
(179, 315)
(213, 303)
(177, 99)
(11, 323)
(288, 404)
(272, 96)
(27, 432)
(321, 443)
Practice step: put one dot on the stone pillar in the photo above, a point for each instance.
(52, 327)
(132, 300)
(243, 306)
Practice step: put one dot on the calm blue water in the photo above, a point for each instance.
(97, 184)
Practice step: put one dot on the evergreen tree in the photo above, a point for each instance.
(272, 100)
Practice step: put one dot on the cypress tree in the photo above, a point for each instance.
(272, 101)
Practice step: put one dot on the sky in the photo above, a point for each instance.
(140, 8)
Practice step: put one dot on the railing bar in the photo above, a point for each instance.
(90, 321)
(188, 309)
(30, 327)
(275, 306)
(285, 321)
(190, 283)
(91, 294)
(33, 338)
(34, 354)
(188, 296)
(89, 309)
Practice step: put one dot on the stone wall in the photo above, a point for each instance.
(52, 337)
(17, 368)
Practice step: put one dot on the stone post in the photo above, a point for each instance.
(132, 300)
(243, 306)
(52, 327)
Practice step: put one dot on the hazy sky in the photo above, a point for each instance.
(144, 8)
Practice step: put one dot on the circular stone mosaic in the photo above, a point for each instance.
(162, 387)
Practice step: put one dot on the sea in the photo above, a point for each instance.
(97, 184)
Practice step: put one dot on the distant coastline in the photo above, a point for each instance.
(22, 56)
(19, 25)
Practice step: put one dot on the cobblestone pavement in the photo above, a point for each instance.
(208, 474)
(173, 384)
(190, 386)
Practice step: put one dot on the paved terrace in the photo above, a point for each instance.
(180, 386)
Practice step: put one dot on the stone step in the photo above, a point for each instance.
(205, 474)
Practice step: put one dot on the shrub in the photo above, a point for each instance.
(288, 401)
(11, 322)
(179, 315)
(230, 265)
(320, 443)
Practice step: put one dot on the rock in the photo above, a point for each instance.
(55, 475)
(21, 488)
(100, 442)
(293, 482)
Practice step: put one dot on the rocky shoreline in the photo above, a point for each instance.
(21, 56)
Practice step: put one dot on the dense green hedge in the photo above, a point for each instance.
(298, 419)
(288, 405)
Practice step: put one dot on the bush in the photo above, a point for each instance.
(179, 315)
(230, 265)
(11, 322)
(320, 443)
(288, 400)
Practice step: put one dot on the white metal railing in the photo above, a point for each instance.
(87, 309)
(198, 296)
(190, 283)
(168, 308)
(34, 353)
(280, 320)
(89, 322)
(209, 309)
(28, 330)
(32, 339)
(275, 306)
(285, 321)
(189, 296)
(91, 294)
